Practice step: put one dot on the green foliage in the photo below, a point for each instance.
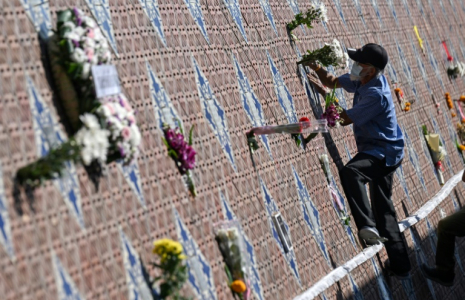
(313, 14)
(50, 166)
(190, 135)
(323, 55)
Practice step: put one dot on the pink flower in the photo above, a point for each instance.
(125, 104)
(89, 53)
(91, 33)
(126, 133)
(131, 119)
(110, 108)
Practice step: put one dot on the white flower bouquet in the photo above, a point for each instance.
(329, 55)
(232, 248)
(105, 129)
(315, 14)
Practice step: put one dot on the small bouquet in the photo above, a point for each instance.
(305, 125)
(437, 151)
(182, 153)
(450, 104)
(404, 105)
(315, 14)
(456, 70)
(106, 128)
(337, 204)
(332, 110)
(231, 246)
(329, 55)
(173, 270)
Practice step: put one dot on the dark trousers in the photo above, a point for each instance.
(448, 229)
(363, 169)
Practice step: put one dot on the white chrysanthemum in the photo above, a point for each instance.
(342, 58)
(71, 35)
(78, 56)
(80, 31)
(85, 71)
(324, 13)
(93, 140)
(135, 136)
(89, 22)
(70, 25)
(89, 43)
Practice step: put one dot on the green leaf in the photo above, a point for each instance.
(228, 274)
(190, 134)
(166, 143)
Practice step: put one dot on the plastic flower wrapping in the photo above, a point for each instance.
(334, 196)
(232, 248)
(332, 110)
(182, 153)
(437, 151)
(330, 55)
(105, 129)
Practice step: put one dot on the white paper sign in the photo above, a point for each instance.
(106, 80)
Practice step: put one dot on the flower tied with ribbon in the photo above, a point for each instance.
(182, 153)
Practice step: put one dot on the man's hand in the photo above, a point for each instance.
(315, 81)
(312, 65)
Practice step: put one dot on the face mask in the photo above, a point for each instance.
(356, 70)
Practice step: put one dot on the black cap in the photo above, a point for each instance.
(372, 54)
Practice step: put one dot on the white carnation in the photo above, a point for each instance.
(78, 55)
(85, 71)
(71, 35)
(79, 31)
(135, 136)
(89, 22)
(93, 140)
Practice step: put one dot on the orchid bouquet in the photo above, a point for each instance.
(231, 246)
(106, 129)
(174, 272)
(337, 203)
(329, 55)
(315, 14)
(182, 153)
(437, 150)
(332, 110)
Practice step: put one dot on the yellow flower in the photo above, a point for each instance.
(408, 104)
(160, 246)
(462, 147)
(182, 256)
(453, 115)
(174, 248)
(238, 286)
(397, 90)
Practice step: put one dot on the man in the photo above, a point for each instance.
(380, 146)
(448, 229)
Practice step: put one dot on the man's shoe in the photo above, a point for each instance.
(440, 276)
(402, 275)
(371, 236)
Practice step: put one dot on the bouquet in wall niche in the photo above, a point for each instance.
(315, 14)
(404, 105)
(332, 113)
(330, 55)
(232, 249)
(172, 268)
(437, 151)
(182, 153)
(455, 70)
(105, 128)
(304, 126)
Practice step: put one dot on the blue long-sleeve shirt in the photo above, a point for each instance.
(374, 119)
